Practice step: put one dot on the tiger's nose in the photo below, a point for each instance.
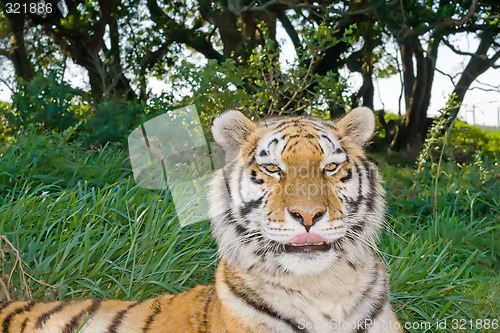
(307, 219)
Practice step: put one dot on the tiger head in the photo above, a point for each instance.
(297, 193)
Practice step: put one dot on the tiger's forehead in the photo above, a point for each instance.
(298, 138)
(293, 124)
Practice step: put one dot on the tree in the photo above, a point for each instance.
(79, 34)
(419, 29)
(141, 38)
(488, 33)
(17, 52)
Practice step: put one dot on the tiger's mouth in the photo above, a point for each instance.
(307, 247)
(307, 243)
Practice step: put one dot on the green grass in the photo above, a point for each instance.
(442, 243)
(115, 240)
(84, 229)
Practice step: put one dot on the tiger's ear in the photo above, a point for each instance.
(358, 125)
(230, 131)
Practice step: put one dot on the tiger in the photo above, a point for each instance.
(295, 212)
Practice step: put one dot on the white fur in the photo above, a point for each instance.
(302, 287)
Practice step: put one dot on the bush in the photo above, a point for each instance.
(48, 105)
(49, 160)
(45, 102)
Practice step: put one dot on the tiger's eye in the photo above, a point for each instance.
(272, 168)
(331, 167)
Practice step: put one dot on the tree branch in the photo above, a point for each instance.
(480, 52)
(290, 30)
(453, 22)
(451, 77)
(177, 32)
(492, 87)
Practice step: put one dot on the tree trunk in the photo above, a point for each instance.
(412, 130)
(119, 83)
(17, 53)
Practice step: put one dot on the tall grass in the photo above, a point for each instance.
(83, 229)
(443, 249)
(78, 239)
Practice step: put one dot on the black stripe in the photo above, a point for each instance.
(286, 144)
(46, 316)
(309, 136)
(78, 320)
(347, 177)
(250, 205)
(328, 125)
(370, 200)
(376, 310)
(321, 148)
(3, 305)
(354, 204)
(309, 122)
(149, 320)
(292, 145)
(117, 320)
(204, 327)
(338, 245)
(254, 179)
(228, 170)
(358, 227)
(8, 319)
(259, 304)
(286, 123)
(263, 153)
(273, 141)
(329, 140)
(23, 325)
(227, 216)
(246, 234)
(251, 154)
(156, 310)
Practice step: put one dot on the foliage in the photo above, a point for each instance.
(105, 242)
(47, 104)
(121, 44)
(260, 87)
(468, 140)
(461, 143)
(5, 130)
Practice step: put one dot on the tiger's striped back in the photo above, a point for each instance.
(295, 213)
(192, 311)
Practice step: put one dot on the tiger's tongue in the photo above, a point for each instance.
(308, 238)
